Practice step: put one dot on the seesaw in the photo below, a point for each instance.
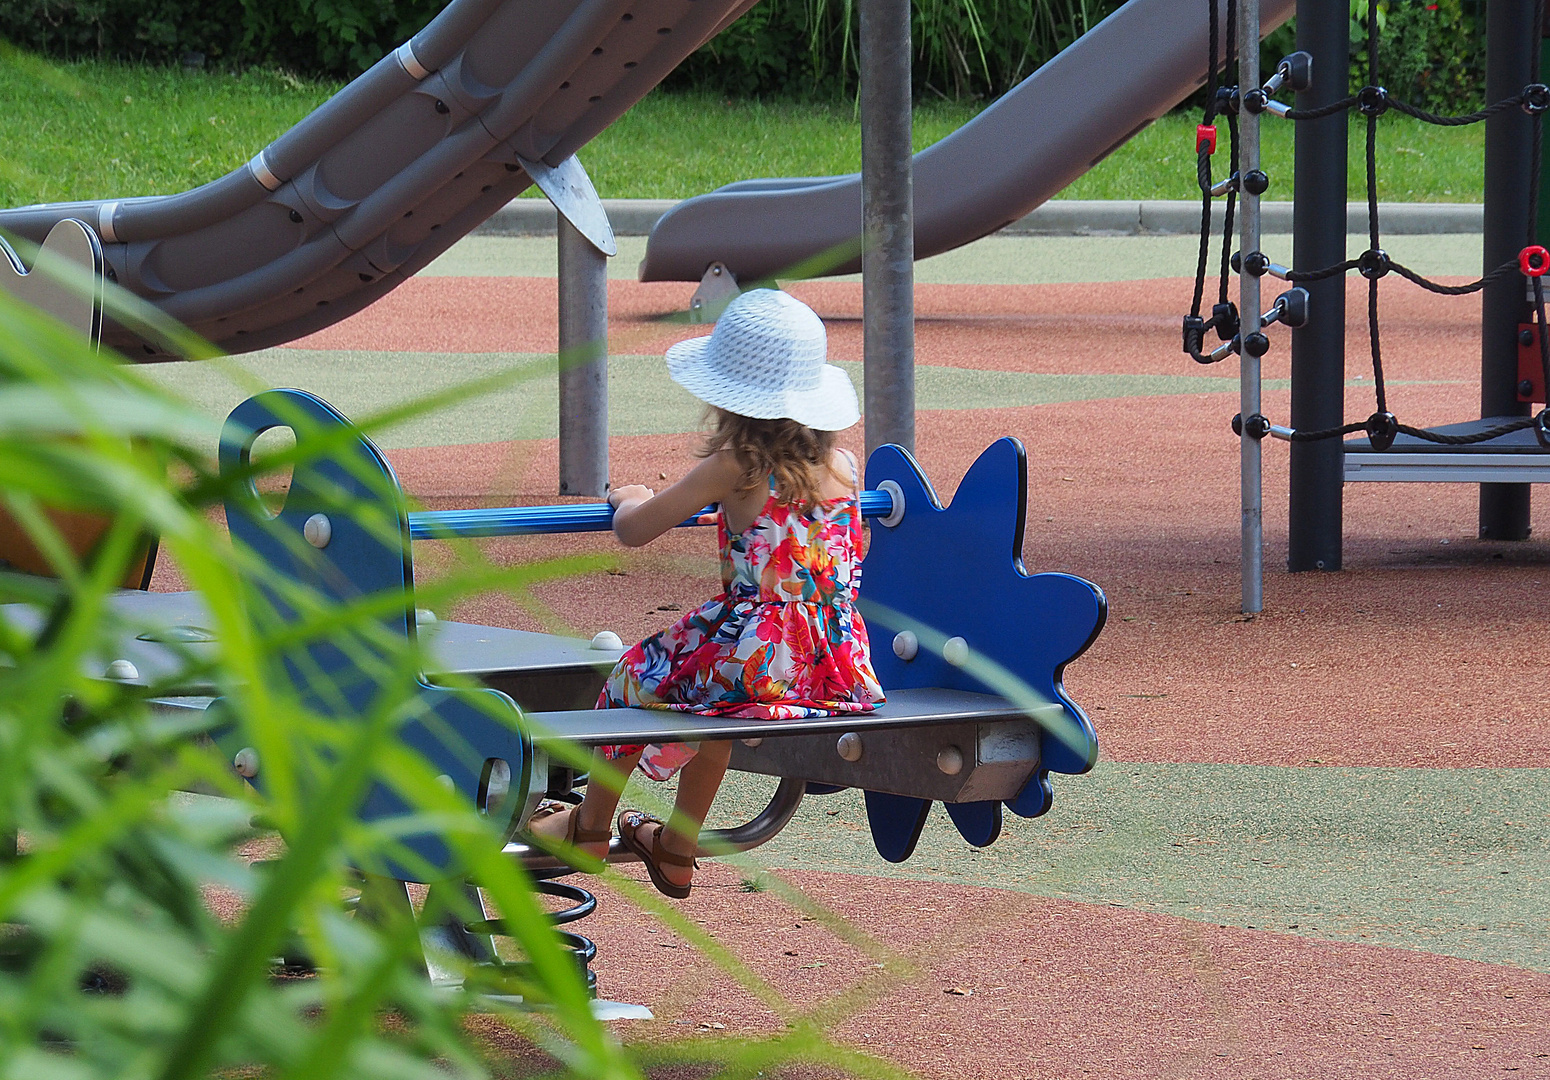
(969, 648)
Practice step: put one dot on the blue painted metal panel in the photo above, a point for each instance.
(958, 572)
(896, 822)
(978, 822)
(367, 554)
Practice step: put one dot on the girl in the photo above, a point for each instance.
(784, 639)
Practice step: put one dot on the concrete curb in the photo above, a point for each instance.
(1058, 217)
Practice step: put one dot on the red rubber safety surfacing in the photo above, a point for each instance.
(1534, 261)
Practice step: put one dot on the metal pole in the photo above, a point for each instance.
(583, 364)
(888, 222)
(1319, 239)
(1253, 540)
(1511, 44)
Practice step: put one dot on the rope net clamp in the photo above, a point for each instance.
(1205, 139)
(1258, 264)
(1373, 264)
(1536, 98)
(1225, 318)
(1534, 260)
(1372, 101)
(1382, 428)
(1260, 426)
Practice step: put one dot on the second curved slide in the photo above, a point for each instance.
(1035, 140)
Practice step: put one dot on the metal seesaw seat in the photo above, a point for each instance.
(977, 716)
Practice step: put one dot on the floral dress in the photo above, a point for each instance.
(783, 641)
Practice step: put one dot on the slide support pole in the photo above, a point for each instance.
(583, 364)
(888, 221)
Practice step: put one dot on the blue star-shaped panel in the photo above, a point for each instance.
(957, 572)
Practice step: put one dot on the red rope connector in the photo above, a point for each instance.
(1205, 138)
(1534, 261)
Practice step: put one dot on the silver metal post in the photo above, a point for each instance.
(583, 364)
(888, 220)
(1253, 542)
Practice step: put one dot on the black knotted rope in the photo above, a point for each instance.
(1374, 264)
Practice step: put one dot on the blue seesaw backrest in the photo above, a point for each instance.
(341, 475)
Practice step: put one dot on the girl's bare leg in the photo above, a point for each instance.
(596, 809)
(697, 786)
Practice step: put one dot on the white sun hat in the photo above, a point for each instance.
(766, 359)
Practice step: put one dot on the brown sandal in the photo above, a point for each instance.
(574, 835)
(652, 859)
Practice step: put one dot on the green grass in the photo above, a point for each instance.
(1416, 162)
(97, 131)
(671, 146)
(90, 130)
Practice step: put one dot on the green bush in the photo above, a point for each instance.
(807, 49)
(1431, 55)
(321, 37)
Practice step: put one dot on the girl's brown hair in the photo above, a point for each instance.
(797, 456)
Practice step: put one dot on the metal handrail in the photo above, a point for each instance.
(571, 518)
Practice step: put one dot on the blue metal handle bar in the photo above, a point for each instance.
(576, 517)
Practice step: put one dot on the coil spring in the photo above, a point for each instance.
(583, 903)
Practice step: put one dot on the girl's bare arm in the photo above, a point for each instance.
(641, 516)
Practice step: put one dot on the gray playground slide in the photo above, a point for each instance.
(491, 96)
(1044, 133)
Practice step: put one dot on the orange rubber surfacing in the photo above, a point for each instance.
(1426, 652)
(1007, 985)
(1423, 652)
(1128, 327)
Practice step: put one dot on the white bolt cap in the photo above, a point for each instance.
(447, 782)
(753, 743)
(318, 530)
(950, 760)
(424, 615)
(246, 762)
(955, 651)
(122, 670)
(905, 645)
(606, 641)
(849, 746)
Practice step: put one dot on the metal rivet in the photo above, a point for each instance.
(122, 670)
(606, 641)
(906, 646)
(318, 530)
(955, 651)
(246, 762)
(752, 743)
(849, 746)
(950, 760)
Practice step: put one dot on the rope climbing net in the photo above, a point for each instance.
(1223, 98)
